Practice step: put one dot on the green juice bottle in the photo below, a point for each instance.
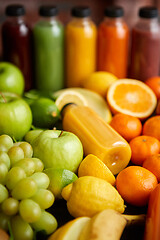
(48, 34)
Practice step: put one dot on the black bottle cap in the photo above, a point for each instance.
(15, 10)
(48, 11)
(114, 11)
(148, 12)
(81, 11)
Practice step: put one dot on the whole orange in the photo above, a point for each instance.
(127, 126)
(151, 127)
(152, 163)
(143, 147)
(154, 84)
(135, 185)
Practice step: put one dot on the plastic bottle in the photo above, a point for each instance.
(97, 136)
(145, 45)
(48, 35)
(80, 39)
(113, 39)
(17, 42)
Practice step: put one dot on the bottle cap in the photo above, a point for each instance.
(48, 11)
(81, 11)
(114, 11)
(148, 12)
(15, 10)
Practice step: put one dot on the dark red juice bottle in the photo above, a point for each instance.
(145, 45)
(17, 42)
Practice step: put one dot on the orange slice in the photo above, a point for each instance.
(131, 97)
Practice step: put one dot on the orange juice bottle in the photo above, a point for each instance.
(113, 40)
(97, 136)
(80, 46)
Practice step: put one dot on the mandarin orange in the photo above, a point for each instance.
(151, 127)
(154, 84)
(152, 163)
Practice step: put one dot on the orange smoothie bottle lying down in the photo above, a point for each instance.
(97, 136)
(80, 47)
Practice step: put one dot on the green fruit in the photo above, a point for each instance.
(45, 113)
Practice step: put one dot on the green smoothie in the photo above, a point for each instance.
(48, 36)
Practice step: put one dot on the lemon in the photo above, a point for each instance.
(93, 166)
(99, 82)
(89, 195)
(59, 178)
(83, 97)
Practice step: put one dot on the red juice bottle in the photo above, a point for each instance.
(17, 42)
(145, 45)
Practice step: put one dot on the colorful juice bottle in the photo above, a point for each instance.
(48, 35)
(80, 47)
(17, 42)
(97, 136)
(112, 46)
(145, 45)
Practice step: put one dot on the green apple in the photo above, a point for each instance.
(15, 116)
(58, 149)
(11, 78)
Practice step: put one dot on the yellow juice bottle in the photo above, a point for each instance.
(97, 136)
(80, 47)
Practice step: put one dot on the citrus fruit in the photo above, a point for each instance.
(45, 113)
(93, 166)
(83, 97)
(99, 82)
(135, 185)
(131, 97)
(127, 126)
(152, 163)
(154, 84)
(143, 147)
(151, 127)
(89, 195)
(59, 178)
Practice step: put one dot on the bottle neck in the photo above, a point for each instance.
(113, 21)
(16, 19)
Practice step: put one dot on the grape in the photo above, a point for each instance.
(3, 172)
(27, 164)
(41, 179)
(15, 154)
(21, 229)
(3, 193)
(29, 210)
(27, 148)
(6, 142)
(4, 219)
(14, 175)
(46, 222)
(25, 188)
(44, 198)
(5, 159)
(39, 164)
(10, 206)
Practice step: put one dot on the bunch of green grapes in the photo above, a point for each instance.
(24, 194)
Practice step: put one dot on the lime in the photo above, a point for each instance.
(45, 113)
(59, 178)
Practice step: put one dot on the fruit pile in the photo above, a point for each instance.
(96, 148)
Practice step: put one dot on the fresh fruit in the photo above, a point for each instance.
(151, 127)
(15, 116)
(11, 78)
(152, 163)
(135, 185)
(99, 82)
(154, 84)
(4, 235)
(58, 149)
(6, 142)
(131, 97)
(45, 113)
(32, 134)
(93, 166)
(59, 178)
(142, 147)
(83, 97)
(89, 195)
(127, 126)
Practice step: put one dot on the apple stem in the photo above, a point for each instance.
(4, 99)
(60, 133)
